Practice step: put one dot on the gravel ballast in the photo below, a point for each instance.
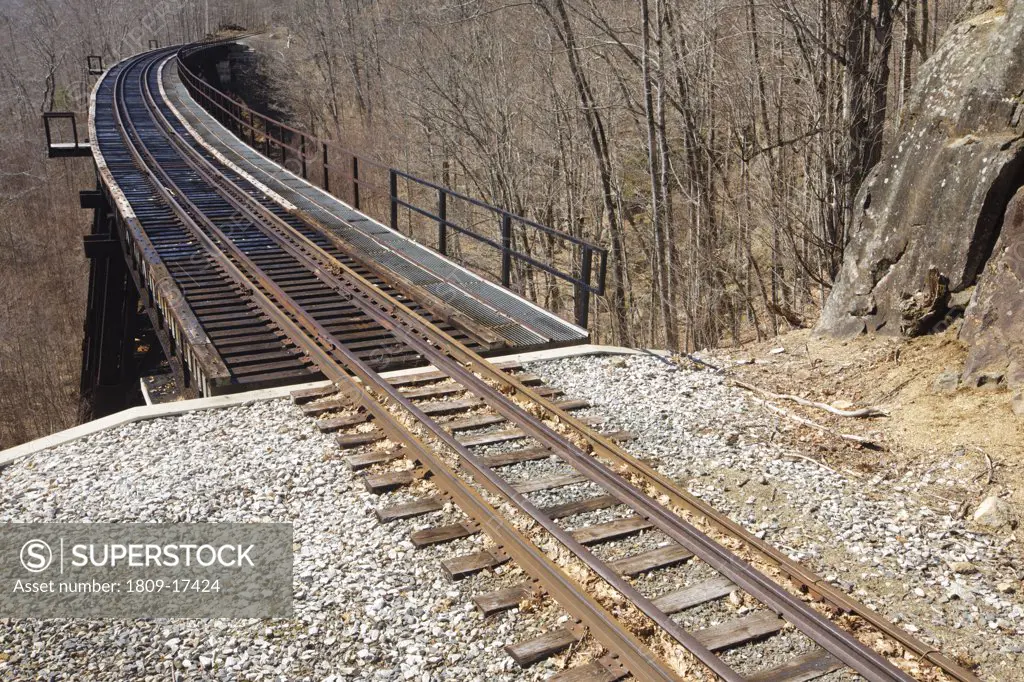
(884, 540)
(370, 607)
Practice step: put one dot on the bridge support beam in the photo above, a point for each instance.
(110, 372)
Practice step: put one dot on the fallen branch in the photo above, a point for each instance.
(697, 361)
(991, 467)
(860, 440)
(860, 414)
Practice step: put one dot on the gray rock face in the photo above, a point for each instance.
(937, 199)
(994, 322)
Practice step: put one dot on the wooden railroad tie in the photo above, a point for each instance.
(408, 510)
(531, 651)
(595, 671)
(470, 564)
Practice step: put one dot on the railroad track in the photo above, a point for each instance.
(279, 267)
(248, 350)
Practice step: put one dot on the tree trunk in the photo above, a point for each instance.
(656, 160)
(599, 146)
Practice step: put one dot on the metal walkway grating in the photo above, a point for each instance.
(523, 324)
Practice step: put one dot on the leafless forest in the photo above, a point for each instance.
(43, 273)
(714, 146)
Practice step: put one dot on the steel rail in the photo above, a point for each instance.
(614, 453)
(838, 642)
(174, 322)
(362, 293)
(450, 349)
(797, 573)
(567, 236)
(588, 249)
(634, 655)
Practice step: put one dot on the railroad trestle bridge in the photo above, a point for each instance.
(162, 308)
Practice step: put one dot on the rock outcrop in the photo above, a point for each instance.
(994, 322)
(931, 211)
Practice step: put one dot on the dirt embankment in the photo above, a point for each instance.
(930, 421)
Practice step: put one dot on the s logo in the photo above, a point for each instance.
(36, 556)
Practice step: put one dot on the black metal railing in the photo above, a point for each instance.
(94, 64)
(277, 140)
(50, 116)
(56, 149)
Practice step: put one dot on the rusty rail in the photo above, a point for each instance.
(337, 362)
(490, 384)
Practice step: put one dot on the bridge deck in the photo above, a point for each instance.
(217, 339)
(519, 322)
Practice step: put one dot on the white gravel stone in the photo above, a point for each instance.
(993, 512)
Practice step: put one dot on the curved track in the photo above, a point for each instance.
(279, 268)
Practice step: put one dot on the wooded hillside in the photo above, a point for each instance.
(715, 147)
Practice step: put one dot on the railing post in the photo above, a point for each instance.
(583, 290)
(302, 153)
(393, 184)
(506, 248)
(49, 136)
(282, 145)
(355, 182)
(327, 176)
(266, 138)
(442, 222)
